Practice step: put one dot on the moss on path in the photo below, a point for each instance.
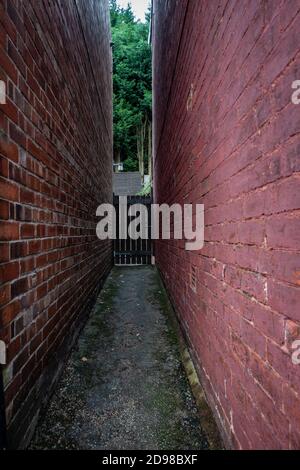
(124, 386)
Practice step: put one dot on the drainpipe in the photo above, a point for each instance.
(3, 440)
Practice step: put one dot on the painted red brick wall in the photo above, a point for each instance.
(227, 135)
(56, 168)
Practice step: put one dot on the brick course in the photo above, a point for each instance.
(56, 168)
(227, 136)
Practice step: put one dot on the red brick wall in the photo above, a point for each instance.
(56, 168)
(227, 136)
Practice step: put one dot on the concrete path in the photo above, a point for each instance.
(124, 385)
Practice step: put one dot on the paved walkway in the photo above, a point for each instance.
(124, 385)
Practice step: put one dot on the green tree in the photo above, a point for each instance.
(132, 87)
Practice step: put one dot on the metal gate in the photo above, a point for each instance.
(128, 252)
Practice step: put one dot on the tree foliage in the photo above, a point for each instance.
(132, 84)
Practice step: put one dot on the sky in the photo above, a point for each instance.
(139, 7)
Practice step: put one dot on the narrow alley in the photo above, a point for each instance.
(124, 386)
(162, 133)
